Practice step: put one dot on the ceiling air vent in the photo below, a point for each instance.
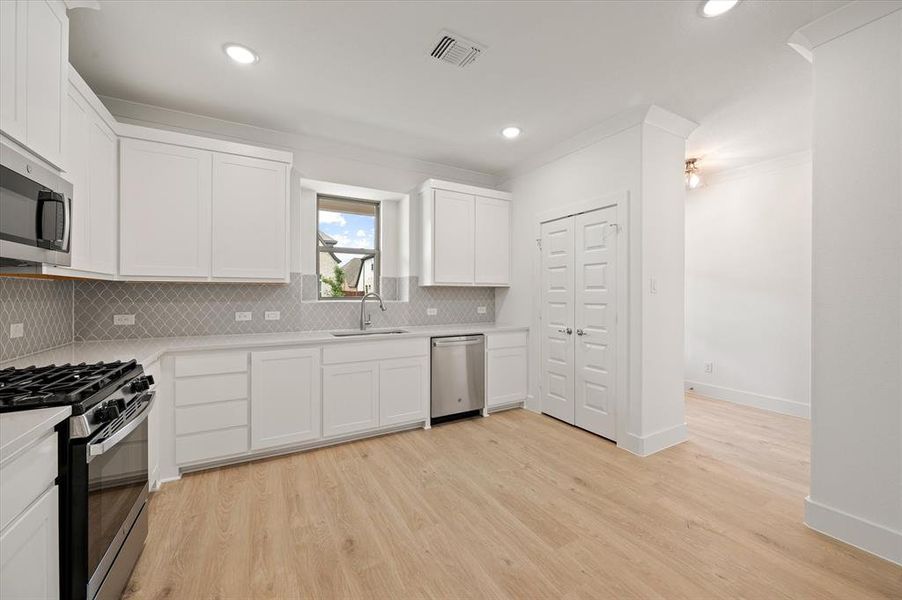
(456, 50)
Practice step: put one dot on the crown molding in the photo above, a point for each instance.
(838, 23)
(148, 115)
(648, 114)
(72, 4)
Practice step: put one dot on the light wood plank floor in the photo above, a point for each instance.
(517, 505)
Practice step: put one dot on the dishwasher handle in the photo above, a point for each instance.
(457, 341)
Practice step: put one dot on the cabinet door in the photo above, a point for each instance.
(250, 216)
(403, 390)
(493, 242)
(103, 181)
(13, 64)
(29, 551)
(47, 35)
(350, 398)
(77, 157)
(285, 397)
(164, 207)
(452, 244)
(506, 376)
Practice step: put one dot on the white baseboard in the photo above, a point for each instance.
(772, 403)
(532, 403)
(855, 531)
(655, 442)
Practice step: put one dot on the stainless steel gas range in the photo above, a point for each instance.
(103, 466)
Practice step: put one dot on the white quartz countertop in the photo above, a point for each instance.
(148, 350)
(19, 429)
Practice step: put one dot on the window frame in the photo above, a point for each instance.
(375, 252)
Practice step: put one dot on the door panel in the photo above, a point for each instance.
(285, 397)
(492, 241)
(557, 316)
(453, 245)
(350, 398)
(250, 213)
(595, 320)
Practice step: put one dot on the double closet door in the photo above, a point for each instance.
(579, 320)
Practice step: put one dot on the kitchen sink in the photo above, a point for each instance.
(367, 332)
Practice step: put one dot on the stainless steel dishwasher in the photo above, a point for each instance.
(458, 374)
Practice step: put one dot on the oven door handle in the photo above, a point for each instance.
(132, 424)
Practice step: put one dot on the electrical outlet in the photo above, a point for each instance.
(431, 311)
(480, 310)
(123, 319)
(242, 316)
(709, 367)
(16, 330)
(272, 315)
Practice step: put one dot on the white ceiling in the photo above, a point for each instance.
(359, 72)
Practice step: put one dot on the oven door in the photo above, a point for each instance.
(35, 212)
(117, 490)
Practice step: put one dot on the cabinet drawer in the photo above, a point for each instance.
(26, 477)
(210, 417)
(213, 363)
(510, 339)
(210, 446)
(375, 350)
(210, 388)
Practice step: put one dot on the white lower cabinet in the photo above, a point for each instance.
(211, 406)
(506, 368)
(403, 390)
(285, 397)
(350, 398)
(29, 551)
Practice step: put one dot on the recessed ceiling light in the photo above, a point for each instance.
(715, 8)
(511, 132)
(241, 54)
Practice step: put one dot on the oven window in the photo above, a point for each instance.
(116, 480)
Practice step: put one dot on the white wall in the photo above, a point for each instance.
(644, 162)
(856, 395)
(748, 285)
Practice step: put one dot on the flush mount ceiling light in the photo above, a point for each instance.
(241, 54)
(715, 8)
(511, 132)
(693, 180)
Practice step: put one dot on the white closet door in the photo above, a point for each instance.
(595, 321)
(557, 318)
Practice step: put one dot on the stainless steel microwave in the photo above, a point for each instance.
(35, 214)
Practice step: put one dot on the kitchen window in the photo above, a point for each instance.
(347, 247)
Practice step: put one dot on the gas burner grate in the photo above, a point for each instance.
(57, 385)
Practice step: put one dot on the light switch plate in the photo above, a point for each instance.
(272, 315)
(242, 316)
(431, 311)
(123, 319)
(16, 330)
(480, 310)
(709, 367)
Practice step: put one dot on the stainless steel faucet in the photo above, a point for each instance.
(368, 321)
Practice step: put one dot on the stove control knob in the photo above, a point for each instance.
(141, 384)
(107, 411)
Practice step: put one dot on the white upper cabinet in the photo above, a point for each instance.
(34, 63)
(250, 217)
(493, 241)
(92, 165)
(197, 209)
(165, 198)
(465, 235)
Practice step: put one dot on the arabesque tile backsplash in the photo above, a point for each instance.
(43, 306)
(182, 309)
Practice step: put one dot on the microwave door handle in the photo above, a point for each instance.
(67, 221)
(101, 447)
